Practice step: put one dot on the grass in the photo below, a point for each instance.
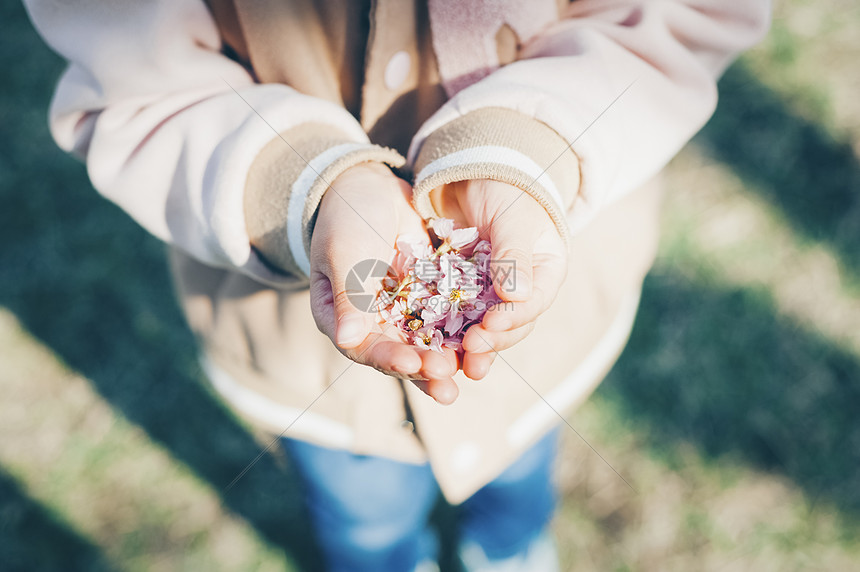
(732, 412)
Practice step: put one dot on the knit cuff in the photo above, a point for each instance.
(502, 145)
(286, 184)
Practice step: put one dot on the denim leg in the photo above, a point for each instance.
(505, 515)
(369, 513)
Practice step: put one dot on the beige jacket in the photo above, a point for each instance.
(217, 126)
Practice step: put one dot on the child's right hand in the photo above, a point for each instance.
(360, 218)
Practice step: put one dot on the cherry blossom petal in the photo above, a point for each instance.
(433, 296)
(414, 246)
(443, 227)
(436, 341)
(454, 322)
(462, 237)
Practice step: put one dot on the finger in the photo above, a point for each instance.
(355, 276)
(322, 303)
(335, 315)
(453, 360)
(353, 326)
(548, 278)
(513, 315)
(444, 391)
(389, 356)
(437, 370)
(381, 348)
(445, 200)
(398, 358)
(511, 264)
(480, 340)
(437, 366)
(477, 366)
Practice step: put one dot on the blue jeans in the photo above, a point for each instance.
(371, 513)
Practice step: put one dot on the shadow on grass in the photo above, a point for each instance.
(794, 163)
(94, 287)
(31, 538)
(722, 370)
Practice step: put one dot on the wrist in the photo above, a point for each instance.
(286, 185)
(501, 145)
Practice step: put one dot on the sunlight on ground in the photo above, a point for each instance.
(690, 512)
(104, 476)
(728, 235)
(810, 58)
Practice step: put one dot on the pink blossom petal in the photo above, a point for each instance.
(436, 341)
(438, 304)
(415, 294)
(442, 227)
(415, 246)
(473, 312)
(445, 286)
(462, 237)
(483, 246)
(454, 322)
(449, 289)
(401, 263)
(431, 317)
(426, 270)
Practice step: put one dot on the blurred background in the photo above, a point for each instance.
(733, 412)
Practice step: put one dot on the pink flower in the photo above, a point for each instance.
(433, 296)
(429, 339)
(416, 293)
(443, 227)
(454, 322)
(435, 310)
(483, 246)
(456, 239)
(412, 246)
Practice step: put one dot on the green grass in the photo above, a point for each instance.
(732, 412)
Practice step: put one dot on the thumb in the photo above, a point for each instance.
(511, 264)
(354, 282)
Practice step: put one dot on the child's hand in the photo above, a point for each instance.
(523, 236)
(360, 219)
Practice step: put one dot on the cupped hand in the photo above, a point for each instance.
(359, 220)
(529, 262)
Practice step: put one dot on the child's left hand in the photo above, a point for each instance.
(520, 231)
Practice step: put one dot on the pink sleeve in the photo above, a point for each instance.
(627, 83)
(147, 100)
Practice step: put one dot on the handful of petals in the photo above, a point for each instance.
(433, 294)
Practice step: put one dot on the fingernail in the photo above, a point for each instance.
(350, 330)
